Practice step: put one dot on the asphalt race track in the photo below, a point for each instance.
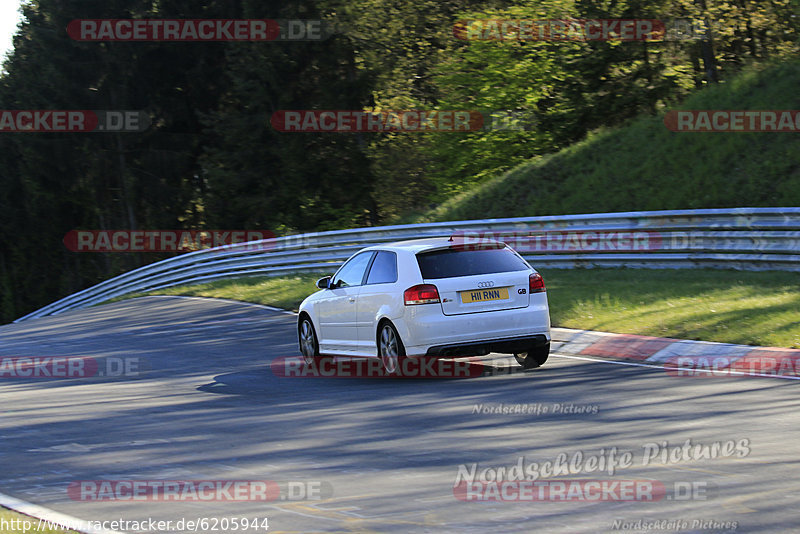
(199, 401)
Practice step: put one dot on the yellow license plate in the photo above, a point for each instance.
(484, 295)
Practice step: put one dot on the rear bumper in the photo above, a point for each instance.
(510, 345)
(424, 328)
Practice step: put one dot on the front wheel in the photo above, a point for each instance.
(534, 358)
(309, 345)
(391, 349)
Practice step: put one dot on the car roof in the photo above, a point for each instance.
(430, 243)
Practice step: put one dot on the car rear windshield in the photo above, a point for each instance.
(452, 262)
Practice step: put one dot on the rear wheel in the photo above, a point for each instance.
(534, 358)
(391, 349)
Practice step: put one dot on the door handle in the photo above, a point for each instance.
(351, 299)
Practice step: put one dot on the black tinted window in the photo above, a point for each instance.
(451, 262)
(352, 272)
(384, 269)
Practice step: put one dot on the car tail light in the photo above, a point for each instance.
(536, 283)
(421, 294)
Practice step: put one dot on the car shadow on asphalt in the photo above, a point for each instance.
(349, 373)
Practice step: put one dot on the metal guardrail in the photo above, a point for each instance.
(740, 238)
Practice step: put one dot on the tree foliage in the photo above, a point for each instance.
(211, 160)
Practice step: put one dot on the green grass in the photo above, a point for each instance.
(751, 308)
(12, 519)
(644, 166)
(285, 292)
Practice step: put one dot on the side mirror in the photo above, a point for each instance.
(324, 282)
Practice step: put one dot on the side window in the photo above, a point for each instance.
(352, 272)
(384, 268)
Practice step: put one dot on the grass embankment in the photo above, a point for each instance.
(752, 308)
(644, 166)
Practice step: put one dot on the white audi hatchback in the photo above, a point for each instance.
(428, 298)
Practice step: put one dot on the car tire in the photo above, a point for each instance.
(535, 357)
(309, 344)
(390, 349)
